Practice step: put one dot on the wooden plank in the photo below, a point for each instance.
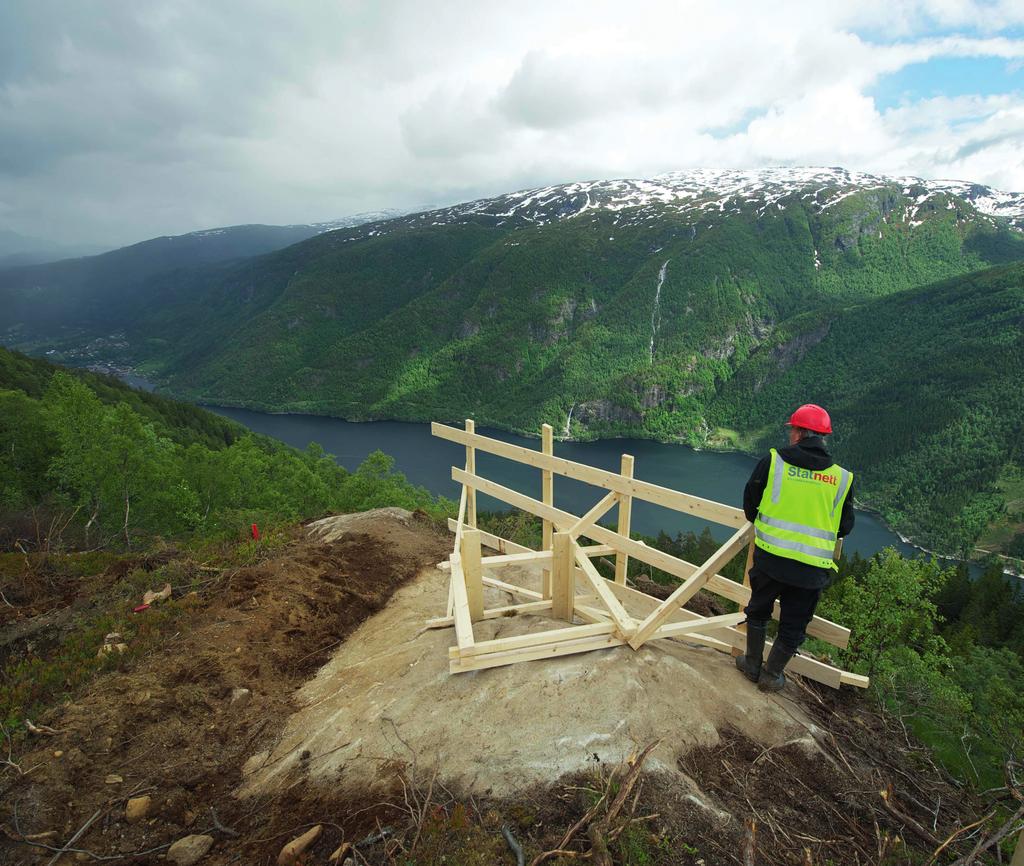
(530, 607)
(458, 540)
(534, 639)
(732, 638)
(512, 588)
(473, 572)
(664, 496)
(625, 516)
(547, 495)
(675, 629)
(835, 634)
(858, 680)
(493, 660)
(563, 577)
(746, 583)
(689, 587)
(496, 542)
(471, 467)
(623, 621)
(605, 504)
(463, 622)
(540, 557)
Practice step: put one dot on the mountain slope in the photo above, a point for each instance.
(924, 389)
(95, 293)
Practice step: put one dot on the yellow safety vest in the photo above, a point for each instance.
(799, 514)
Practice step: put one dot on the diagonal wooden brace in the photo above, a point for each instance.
(596, 513)
(624, 623)
(685, 591)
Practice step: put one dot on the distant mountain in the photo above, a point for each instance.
(17, 250)
(87, 292)
(607, 308)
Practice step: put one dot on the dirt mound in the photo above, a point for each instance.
(173, 727)
(386, 697)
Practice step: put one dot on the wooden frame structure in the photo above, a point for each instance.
(609, 613)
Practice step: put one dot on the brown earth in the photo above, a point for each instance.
(327, 634)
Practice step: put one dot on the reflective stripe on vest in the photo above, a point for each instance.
(786, 544)
(800, 510)
(798, 527)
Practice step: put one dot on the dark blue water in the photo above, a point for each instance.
(427, 461)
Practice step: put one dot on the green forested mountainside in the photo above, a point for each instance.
(925, 391)
(522, 327)
(94, 294)
(108, 462)
(180, 422)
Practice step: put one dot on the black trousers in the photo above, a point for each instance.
(796, 602)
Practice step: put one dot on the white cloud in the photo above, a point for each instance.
(123, 121)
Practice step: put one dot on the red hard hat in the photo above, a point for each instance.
(810, 416)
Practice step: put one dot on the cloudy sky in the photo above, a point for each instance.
(125, 120)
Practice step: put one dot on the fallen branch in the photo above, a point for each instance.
(513, 845)
(749, 841)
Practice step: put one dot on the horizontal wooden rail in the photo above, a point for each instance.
(664, 496)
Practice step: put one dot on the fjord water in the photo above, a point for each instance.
(427, 461)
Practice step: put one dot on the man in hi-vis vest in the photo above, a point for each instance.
(800, 503)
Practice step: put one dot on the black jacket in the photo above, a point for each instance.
(808, 453)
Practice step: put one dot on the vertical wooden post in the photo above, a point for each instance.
(474, 572)
(625, 513)
(547, 495)
(838, 552)
(563, 577)
(746, 582)
(471, 467)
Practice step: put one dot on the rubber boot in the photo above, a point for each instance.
(772, 677)
(750, 663)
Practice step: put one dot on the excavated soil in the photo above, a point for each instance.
(354, 724)
(168, 727)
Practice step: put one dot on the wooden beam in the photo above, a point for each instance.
(511, 657)
(474, 573)
(819, 627)
(463, 621)
(534, 639)
(746, 583)
(512, 588)
(711, 623)
(673, 499)
(529, 607)
(605, 504)
(689, 587)
(527, 557)
(496, 542)
(625, 516)
(547, 495)
(623, 621)
(471, 467)
(563, 577)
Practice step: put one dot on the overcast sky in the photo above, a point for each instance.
(125, 120)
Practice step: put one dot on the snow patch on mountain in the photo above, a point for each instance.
(702, 192)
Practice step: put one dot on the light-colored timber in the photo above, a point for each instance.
(689, 587)
(625, 517)
(572, 589)
(547, 495)
(473, 572)
(471, 467)
(819, 627)
(677, 501)
(563, 577)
